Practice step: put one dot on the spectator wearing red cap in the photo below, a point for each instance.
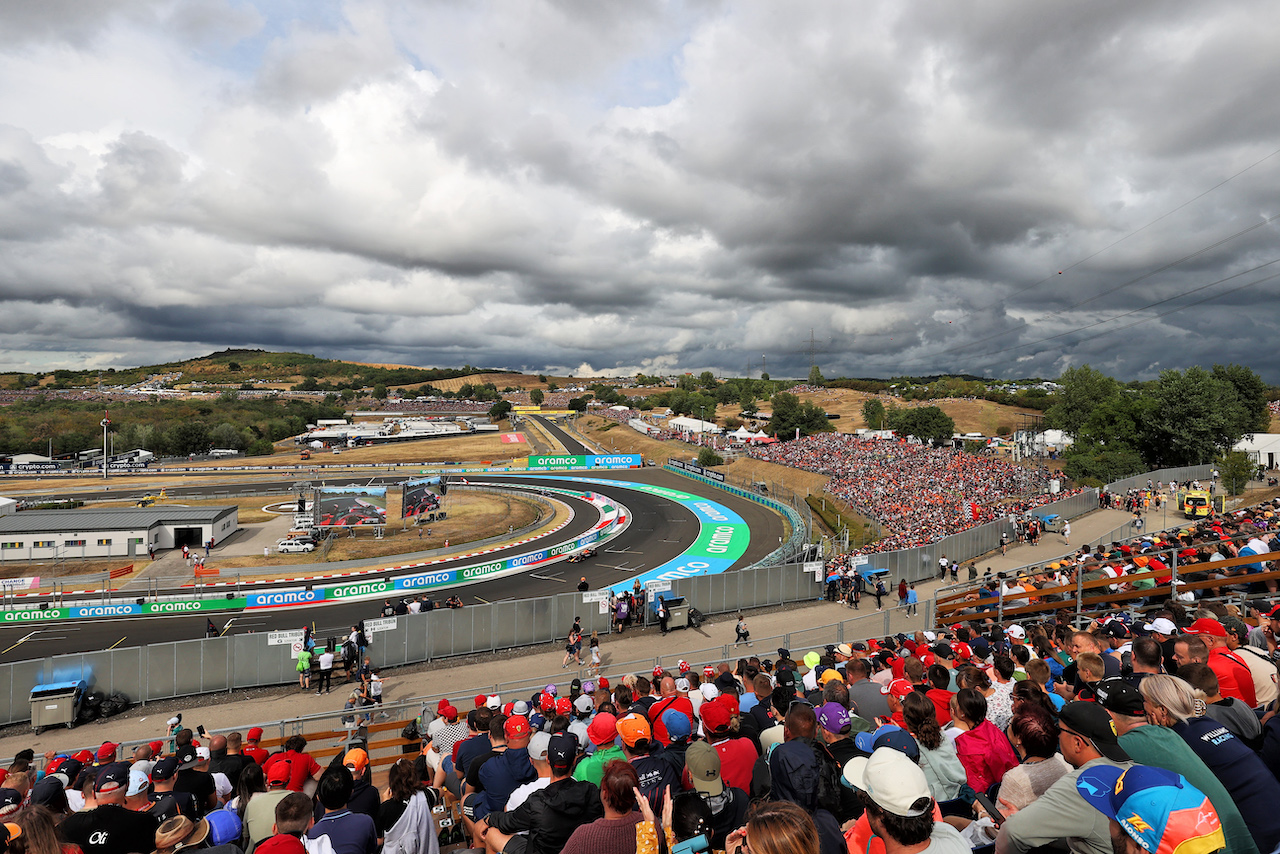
(507, 770)
(737, 755)
(1234, 677)
(259, 815)
(301, 765)
(602, 733)
(670, 699)
(453, 732)
(252, 748)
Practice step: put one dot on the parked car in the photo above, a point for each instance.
(295, 546)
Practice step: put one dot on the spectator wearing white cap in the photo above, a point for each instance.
(900, 805)
(538, 745)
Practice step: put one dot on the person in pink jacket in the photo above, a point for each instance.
(984, 751)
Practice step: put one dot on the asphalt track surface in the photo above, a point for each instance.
(659, 531)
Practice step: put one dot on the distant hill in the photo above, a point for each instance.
(239, 366)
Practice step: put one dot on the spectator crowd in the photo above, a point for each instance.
(917, 493)
(1155, 736)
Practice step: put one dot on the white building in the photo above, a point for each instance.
(111, 532)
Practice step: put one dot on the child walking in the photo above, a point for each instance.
(595, 653)
(744, 636)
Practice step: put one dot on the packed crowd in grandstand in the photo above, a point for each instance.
(1150, 734)
(917, 493)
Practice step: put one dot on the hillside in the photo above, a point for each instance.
(233, 368)
(971, 416)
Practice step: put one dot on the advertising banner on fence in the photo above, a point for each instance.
(692, 468)
(420, 497)
(585, 461)
(343, 506)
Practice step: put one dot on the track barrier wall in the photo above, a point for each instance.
(184, 668)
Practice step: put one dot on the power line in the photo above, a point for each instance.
(1121, 286)
(1118, 241)
(1146, 307)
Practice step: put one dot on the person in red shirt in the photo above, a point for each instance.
(301, 764)
(737, 755)
(251, 748)
(670, 699)
(939, 679)
(1206, 642)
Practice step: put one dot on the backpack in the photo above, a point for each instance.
(362, 639)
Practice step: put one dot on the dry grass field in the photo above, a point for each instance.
(971, 416)
(472, 516)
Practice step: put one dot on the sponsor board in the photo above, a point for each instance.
(193, 605)
(584, 461)
(29, 583)
(120, 609)
(382, 624)
(35, 615)
(693, 468)
(360, 589)
(284, 638)
(859, 560)
(281, 598)
(590, 596)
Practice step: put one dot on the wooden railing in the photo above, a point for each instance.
(1076, 595)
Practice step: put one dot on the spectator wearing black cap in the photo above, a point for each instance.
(191, 779)
(165, 802)
(1086, 740)
(110, 828)
(549, 815)
(1155, 744)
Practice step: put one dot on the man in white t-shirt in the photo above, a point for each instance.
(538, 754)
(325, 683)
(375, 692)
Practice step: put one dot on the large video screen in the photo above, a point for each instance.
(422, 496)
(345, 506)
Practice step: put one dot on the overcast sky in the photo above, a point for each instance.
(612, 187)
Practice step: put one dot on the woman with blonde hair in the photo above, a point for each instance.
(1172, 702)
(775, 827)
(39, 834)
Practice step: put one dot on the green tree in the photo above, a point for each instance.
(261, 448)
(1083, 389)
(234, 367)
(747, 400)
(499, 410)
(226, 435)
(789, 414)
(380, 392)
(815, 377)
(926, 423)
(1236, 470)
(1095, 465)
(707, 380)
(708, 458)
(229, 396)
(1251, 394)
(536, 397)
(687, 383)
(578, 404)
(873, 413)
(348, 394)
(1196, 417)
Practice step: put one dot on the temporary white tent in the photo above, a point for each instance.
(741, 433)
(693, 425)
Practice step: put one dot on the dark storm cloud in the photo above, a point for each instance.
(638, 187)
